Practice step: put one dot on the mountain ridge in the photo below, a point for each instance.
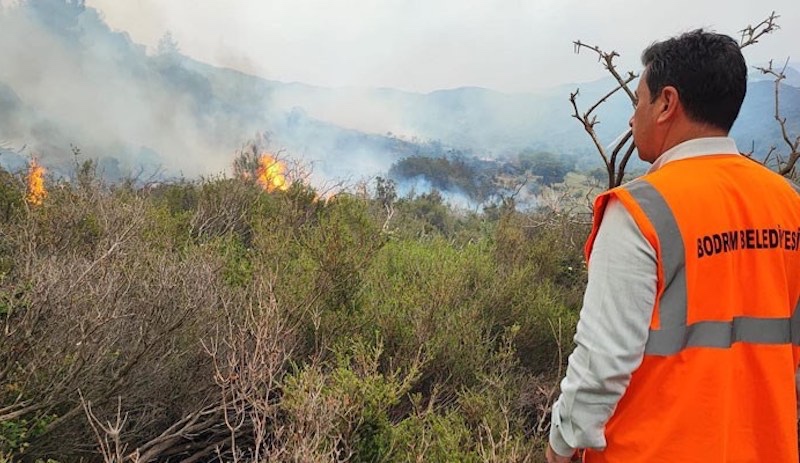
(84, 85)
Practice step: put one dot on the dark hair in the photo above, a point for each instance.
(707, 69)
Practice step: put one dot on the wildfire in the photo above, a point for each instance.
(36, 191)
(271, 174)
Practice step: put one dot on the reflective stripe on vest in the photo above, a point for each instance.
(674, 334)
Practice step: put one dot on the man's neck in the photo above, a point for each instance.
(694, 148)
(689, 130)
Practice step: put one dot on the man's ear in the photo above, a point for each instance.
(669, 102)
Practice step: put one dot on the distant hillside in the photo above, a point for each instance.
(75, 82)
(756, 125)
(792, 74)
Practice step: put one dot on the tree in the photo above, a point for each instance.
(548, 166)
(784, 165)
(615, 159)
(167, 45)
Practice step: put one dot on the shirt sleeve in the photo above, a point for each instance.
(611, 334)
(797, 388)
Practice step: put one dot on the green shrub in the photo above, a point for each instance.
(12, 196)
(417, 337)
(433, 437)
(15, 435)
(347, 406)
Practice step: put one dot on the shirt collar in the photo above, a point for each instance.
(695, 148)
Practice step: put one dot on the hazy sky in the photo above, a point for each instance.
(423, 45)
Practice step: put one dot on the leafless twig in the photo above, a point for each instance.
(751, 34)
(615, 172)
(784, 167)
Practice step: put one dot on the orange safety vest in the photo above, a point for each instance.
(717, 381)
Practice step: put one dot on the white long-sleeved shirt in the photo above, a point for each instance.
(615, 318)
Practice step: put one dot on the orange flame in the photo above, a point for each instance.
(271, 174)
(36, 191)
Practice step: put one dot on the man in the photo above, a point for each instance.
(687, 344)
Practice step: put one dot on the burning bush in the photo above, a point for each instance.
(36, 191)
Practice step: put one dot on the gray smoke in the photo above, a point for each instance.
(67, 80)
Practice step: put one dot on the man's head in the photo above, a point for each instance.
(693, 85)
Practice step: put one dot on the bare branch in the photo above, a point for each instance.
(615, 173)
(629, 79)
(608, 62)
(751, 34)
(622, 141)
(588, 125)
(784, 167)
(623, 164)
(108, 434)
(771, 151)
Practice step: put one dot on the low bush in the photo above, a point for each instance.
(212, 320)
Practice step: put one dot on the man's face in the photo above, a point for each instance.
(643, 122)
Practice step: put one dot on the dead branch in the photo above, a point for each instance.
(588, 126)
(623, 85)
(784, 167)
(768, 157)
(389, 214)
(608, 62)
(175, 439)
(625, 159)
(615, 172)
(751, 34)
(551, 393)
(108, 434)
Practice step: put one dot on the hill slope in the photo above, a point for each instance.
(75, 82)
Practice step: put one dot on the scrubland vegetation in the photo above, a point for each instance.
(214, 321)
